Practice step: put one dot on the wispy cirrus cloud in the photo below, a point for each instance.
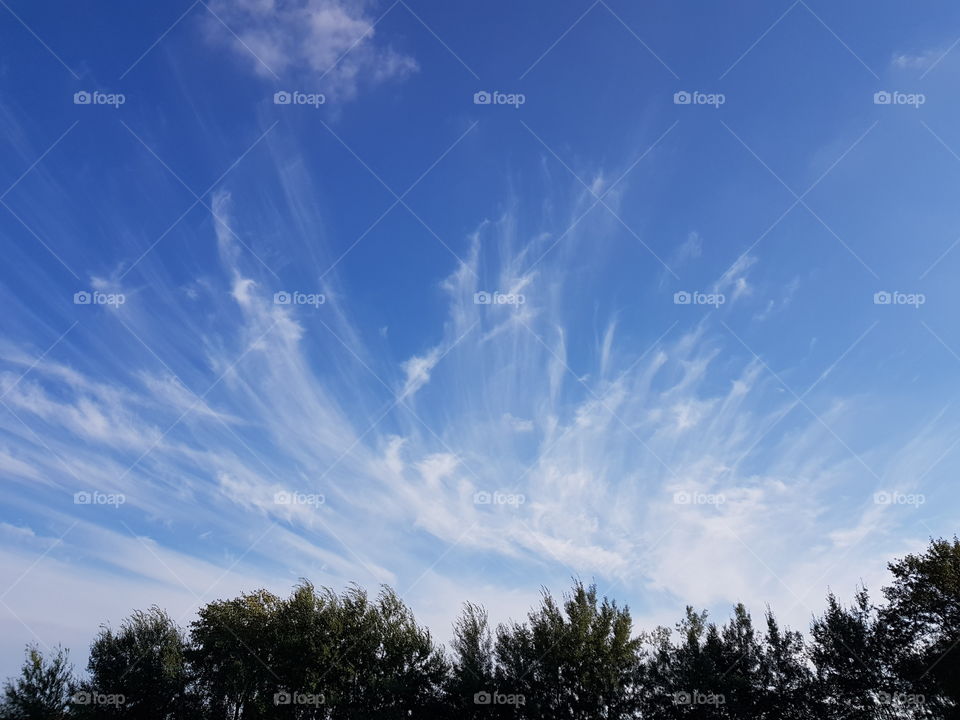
(916, 61)
(511, 440)
(331, 43)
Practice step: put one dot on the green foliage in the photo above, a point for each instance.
(785, 679)
(472, 667)
(232, 654)
(319, 654)
(138, 671)
(711, 672)
(922, 624)
(43, 689)
(385, 665)
(315, 654)
(577, 660)
(845, 653)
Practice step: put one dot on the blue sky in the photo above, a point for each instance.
(789, 428)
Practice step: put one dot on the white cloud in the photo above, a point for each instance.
(733, 283)
(518, 424)
(689, 249)
(916, 61)
(331, 43)
(417, 370)
(596, 438)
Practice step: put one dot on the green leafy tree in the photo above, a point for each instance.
(326, 656)
(922, 623)
(316, 654)
(578, 660)
(304, 651)
(847, 655)
(687, 679)
(738, 659)
(472, 666)
(43, 689)
(384, 664)
(785, 682)
(233, 652)
(139, 671)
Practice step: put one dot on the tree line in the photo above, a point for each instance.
(322, 654)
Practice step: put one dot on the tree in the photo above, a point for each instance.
(576, 661)
(384, 665)
(321, 655)
(304, 649)
(687, 679)
(316, 654)
(785, 679)
(472, 667)
(738, 660)
(922, 619)
(42, 691)
(139, 671)
(846, 652)
(232, 655)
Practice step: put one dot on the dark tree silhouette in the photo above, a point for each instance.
(844, 652)
(347, 656)
(43, 689)
(922, 625)
(575, 661)
(138, 671)
(786, 684)
(472, 666)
